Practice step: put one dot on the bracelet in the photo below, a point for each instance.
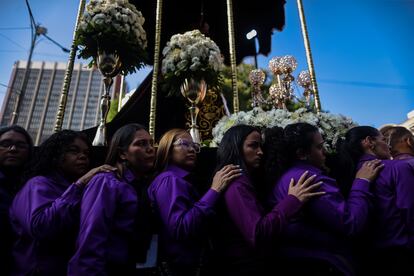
(363, 178)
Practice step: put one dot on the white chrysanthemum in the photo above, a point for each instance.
(122, 15)
(191, 45)
(331, 126)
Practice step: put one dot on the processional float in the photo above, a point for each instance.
(237, 22)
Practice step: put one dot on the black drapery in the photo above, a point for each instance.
(180, 16)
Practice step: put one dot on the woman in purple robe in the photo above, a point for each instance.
(112, 208)
(246, 229)
(15, 152)
(183, 214)
(45, 212)
(391, 231)
(321, 230)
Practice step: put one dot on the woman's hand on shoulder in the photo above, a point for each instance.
(223, 177)
(84, 180)
(305, 188)
(370, 170)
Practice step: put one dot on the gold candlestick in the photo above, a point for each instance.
(109, 65)
(195, 92)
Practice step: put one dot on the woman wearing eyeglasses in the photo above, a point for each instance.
(45, 212)
(15, 152)
(184, 215)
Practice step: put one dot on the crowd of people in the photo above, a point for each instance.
(278, 204)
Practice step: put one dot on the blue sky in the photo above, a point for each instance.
(362, 50)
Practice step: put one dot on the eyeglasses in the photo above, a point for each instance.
(187, 144)
(8, 144)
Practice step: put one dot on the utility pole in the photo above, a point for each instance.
(36, 31)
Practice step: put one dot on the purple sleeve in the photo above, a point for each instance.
(46, 215)
(249, 217)
(183, 217)
(345, 216)
(97, 211)
(404, 183)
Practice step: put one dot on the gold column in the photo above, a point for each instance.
(232, 48)
(154, 85)
(121, 92)
(309, 56)
(68, 74)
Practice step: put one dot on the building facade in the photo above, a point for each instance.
(40, 102)
(409, 123)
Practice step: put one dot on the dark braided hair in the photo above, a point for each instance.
(274, 157)
(298, 136)
(51, 150)
(281, 147)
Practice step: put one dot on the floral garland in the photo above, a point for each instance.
(331, 126)
(191, 55)
(114, 26)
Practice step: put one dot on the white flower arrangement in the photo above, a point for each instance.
(331, 126)
(191, 55)
(115, 26)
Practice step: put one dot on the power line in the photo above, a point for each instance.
(5, 85)
(36, 31)
(11, 51)
(368, 84)
(12, 41)
(47, 54)
(13, 28)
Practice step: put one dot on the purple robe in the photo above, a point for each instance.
(393, 223)
(326, 221)
(331, 210)
(183, 215)
(107, 218)
(244, 227)
(7, 187)
(45, 214)
(403, 156)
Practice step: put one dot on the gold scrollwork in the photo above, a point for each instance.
(211, 111)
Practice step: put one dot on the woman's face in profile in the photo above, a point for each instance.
(140, 153)
(252, 151)
(316, 155)
(380, 147)
(184, 151)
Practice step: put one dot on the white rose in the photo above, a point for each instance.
(98, 19)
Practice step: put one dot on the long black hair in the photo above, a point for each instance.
(230, 150)
(120, 142)
(349, 151)
(51, 150)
